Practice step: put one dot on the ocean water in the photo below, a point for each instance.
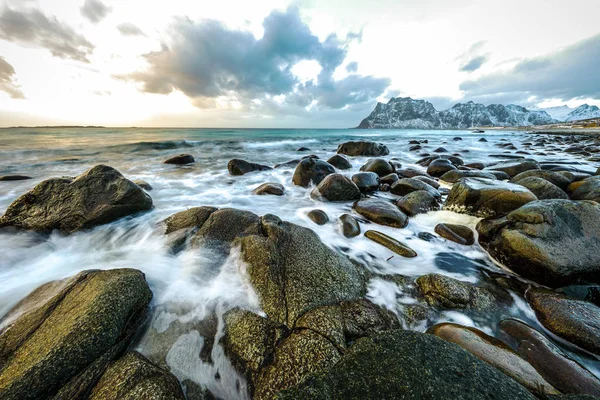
(187, 279)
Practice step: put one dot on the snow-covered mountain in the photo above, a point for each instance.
(404, 112)
(568, 114)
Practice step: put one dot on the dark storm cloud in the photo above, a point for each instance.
(570, 73)
(206, 60)
(7, 80)
(94, 10)
(475, 63)
(128, 29)
(33, 28)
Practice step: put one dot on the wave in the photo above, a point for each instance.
(164, 145)
(280, 143)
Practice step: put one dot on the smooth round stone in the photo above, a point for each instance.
(6, 178)
(378, 165)
(143, 184)
(409, 172)
(381, 212)
(366, 181)
(431, 182)
(237, 167)
(181, 159)
(319, 217)
(439, 167)
(311, 170)
(405, 186)
(553, 177)
(542, 189)
(391, 243)
(389, 179)
(456, 233)
(420, 201)
(494, 352)
(515, 167)
(340, 162)
(275, 189)
(455, 175)
(349, 226)
(336, 187)
(556, 367)
(363, 148)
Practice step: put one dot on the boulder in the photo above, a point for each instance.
(573, 320)
(319, 217)
(336, 187)
(455, 175)
(439, 167)
(553, 242)
(420, 201)
(588, 190)
(340, 162)
(496, 353)
(132, 377)
(391, 243)
(485, 197)
(379, 166)
(406, 365)
(191, 218)
(311, 170)
(98, 196)
(562, 372)
(515, 167)
(143, 184)
(381, 212)
(222, 227)
(542, 189)
(58, 341)
(363, 148)
(238, 167)
(456, 233)
(405, 186)
(409, 172)
(366, 181)
(13, 177)
(389, 179)
(181, 159)
(553, 177)
(431, 182)
(349, 226)
(275, 189)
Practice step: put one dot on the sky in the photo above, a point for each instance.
(286, 64)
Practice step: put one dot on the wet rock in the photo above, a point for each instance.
(429, 181)
(542, 189)
(589, 293)
(98, 196)
(484, 197)
(61, 337)
(193, 217)
(13, 177)
(181, 159)
(391, 243)
(378, 165)
(553, 177)
(303, 149)
(455, 175)
(456, 233)
(275, 189)
(405, 186)
(238, 167)
(291, 163)
(389, 179)
(363, 148)
(349, 226)
(143, 184)
(482, 140)
(439, 167)
(319, 217)
(565, 374)
(553, 242)
(340, 162)
(418, 202)
(589, 190)
(366, 181)
(573, 320)
(500, 175)
(381, 212)
(475, 165)
(336, 187)
(515, 167)
(494, 352)
(135, 377)
(443, 292)
(408, 365)
(311, 170)
(440, 150)
(292, 271)
(409, 172)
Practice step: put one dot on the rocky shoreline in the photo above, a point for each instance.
(316, 335)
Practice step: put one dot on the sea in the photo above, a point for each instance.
(28, 260)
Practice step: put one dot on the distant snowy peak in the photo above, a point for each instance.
(567, 114)
(404, 112)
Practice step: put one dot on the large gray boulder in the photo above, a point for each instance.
(336, 187)
(553, 242)
(363, 148)
(58, 341)
(485, 197)
(241, 167)
(98, 196)
(408, 365)
(311, 170)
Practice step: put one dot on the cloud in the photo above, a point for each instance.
(208, 62)
(34, 29)
(129, 29)
(94, 10)
(569, 73)
(475, 63)
(7, 80)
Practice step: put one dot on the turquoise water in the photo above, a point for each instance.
(186, 279)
